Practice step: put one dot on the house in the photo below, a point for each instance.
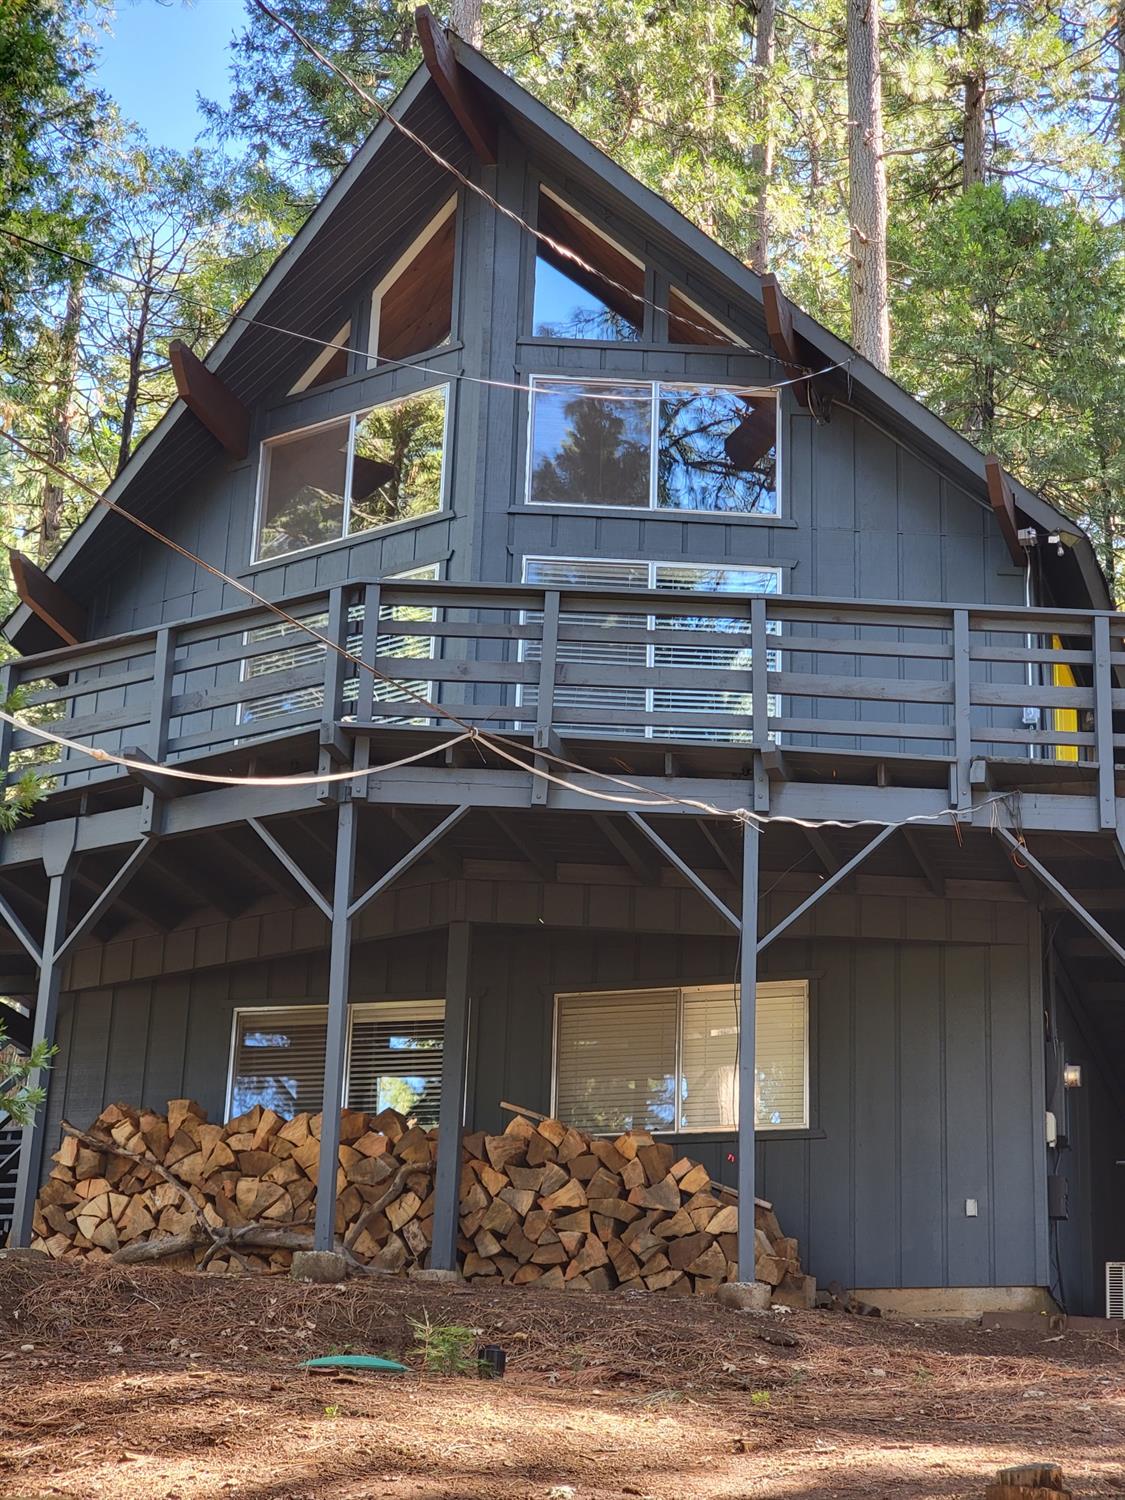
(817, 871)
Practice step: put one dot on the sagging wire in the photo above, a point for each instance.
(381, 362)
(454, 171)
(642, 796)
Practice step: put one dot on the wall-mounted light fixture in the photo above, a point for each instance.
(1072, 1076)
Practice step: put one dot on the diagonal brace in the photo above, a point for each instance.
(1056, 887)
(290, 864)
(822, 890)
(411, 857)
(8, 916)
(107, 897)
(686, 871)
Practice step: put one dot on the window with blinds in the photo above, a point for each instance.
(667, 1060)
(394, 1059)
(652, 709)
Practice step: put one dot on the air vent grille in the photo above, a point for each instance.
(1115, 1288)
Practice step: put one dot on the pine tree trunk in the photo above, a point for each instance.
(58, 435)
(1119, 110)
(867, 196)
(973, 163)
(136, 354)
(466, 20)
(762, 152)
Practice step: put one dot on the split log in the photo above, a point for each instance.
(541, 1204)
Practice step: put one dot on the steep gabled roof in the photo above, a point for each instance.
(301, 292)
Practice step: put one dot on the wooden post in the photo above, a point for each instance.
(454, 1084)
(747, 1065)
(545, 707)
(962, 712)
(1103, 724)
(57, 862)
(336, 1044)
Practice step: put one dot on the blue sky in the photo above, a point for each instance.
(161, 55)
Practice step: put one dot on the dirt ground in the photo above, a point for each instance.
(154, 1385)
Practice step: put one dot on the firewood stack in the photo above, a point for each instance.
(541, 1204)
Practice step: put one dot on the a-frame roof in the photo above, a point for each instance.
(344, 239)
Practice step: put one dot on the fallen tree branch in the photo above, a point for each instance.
(393, 1188)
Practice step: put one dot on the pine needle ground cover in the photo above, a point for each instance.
(149, 1384)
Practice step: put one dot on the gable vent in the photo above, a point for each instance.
(1115, 1288)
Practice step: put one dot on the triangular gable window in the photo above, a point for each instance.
(412, 307)
(573, 303)
(329, 365)
(689, 324)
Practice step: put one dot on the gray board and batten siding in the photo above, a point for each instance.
(862, 513)
(926, 1068)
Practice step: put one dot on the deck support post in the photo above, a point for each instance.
(747, 1066)
(336, 1045)
(454, 1087)
(58, 865)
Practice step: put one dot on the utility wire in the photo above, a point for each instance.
(381, 362)
(559, 249)
(643, 796)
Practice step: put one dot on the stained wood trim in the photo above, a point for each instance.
(216, 406)
(1004, 507)
(458, 91)
(783, 341)
(45, 598)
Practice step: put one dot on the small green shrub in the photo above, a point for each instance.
(444, 1348)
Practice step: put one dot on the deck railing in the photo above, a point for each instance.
(925, 681)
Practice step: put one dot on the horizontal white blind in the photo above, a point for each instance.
(616, 1060)
(395, 1059)
(782, 1054)
(279, 1061)
(668, 1059)
(709, 1059)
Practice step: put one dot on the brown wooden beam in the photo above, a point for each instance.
(203, 393)
(458, 91)
(783, 341)
(1004, 507)
(45, 598)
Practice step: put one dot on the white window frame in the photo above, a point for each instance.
(418, 244)
(364, 1010)
(580, 507)
(693, 989)
(277, 439)
(613, 244)
(327, 353)
(707, 317)
(773, 700)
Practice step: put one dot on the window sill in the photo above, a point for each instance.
(730, 1136)
(322, 549)
(420, 362)
(651, 513)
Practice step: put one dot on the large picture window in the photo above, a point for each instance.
(393, 1062)
(667, 1059)
(656, 446)
(352, 475)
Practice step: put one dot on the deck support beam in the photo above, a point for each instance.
(685, 870)
(747, 1066)
(58, 862)
(454, 1090)
(840, 874)
(336, 1044)
(1056, 887)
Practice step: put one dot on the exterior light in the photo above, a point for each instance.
(1072, 1076)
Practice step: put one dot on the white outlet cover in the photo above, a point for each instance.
(970, 1208)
